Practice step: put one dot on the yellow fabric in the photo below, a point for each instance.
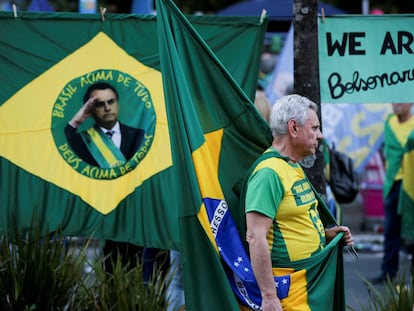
(103, 148)
(408, 184)
(206, 162)
(401, 132)
(297, 300)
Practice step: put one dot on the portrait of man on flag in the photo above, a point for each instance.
(109, 142)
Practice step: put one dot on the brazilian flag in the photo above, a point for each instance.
(188, 83)
(406, 200)
(216, 149)
(228, 130)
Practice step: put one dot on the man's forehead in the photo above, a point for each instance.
(103, 92)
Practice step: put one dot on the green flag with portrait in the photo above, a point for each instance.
(48, 60)
(201, 129)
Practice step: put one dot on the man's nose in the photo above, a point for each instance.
(320, 135)
(107, 106)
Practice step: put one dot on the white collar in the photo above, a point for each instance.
(115, 129)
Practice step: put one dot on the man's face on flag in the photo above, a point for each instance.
(106, 108)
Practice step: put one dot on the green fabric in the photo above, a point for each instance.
(48, 37)
(394, 148)
(325, 277)
(264, 201)
(95, 150)
(406, 200)
(201, 83)
(34, 42)
(207, 88)
(324, 292)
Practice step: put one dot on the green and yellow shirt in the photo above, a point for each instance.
(395, 139)
(280, 190)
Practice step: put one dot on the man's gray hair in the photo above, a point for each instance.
(290, 107)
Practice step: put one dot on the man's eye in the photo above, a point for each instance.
(99, 104)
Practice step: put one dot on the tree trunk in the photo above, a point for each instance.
(306, 74)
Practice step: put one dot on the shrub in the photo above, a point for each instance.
(46, 272)
(123, 289)
(395, 295)
(37, 272)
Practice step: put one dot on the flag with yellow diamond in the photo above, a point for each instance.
(220, 134)
(48, 61)
(197, 144)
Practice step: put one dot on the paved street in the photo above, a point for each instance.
(368, 243)
(367, 265)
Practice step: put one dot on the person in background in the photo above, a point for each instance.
(397, 128)
(262, 104)
(406, 201)
(175, 291)
(333, 205)
(285, 217)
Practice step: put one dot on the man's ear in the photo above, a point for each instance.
(292, 127)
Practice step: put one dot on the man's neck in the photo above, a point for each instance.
(283, 148)
(404, 118)
(108, 126)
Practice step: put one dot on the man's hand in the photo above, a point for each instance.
(84, 112)
(271, 305)
(332, 232)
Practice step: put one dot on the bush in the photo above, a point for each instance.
(45, 272)
(395, 295)
(123, 289)
(37, 272)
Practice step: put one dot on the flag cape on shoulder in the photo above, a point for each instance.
(406, 200)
